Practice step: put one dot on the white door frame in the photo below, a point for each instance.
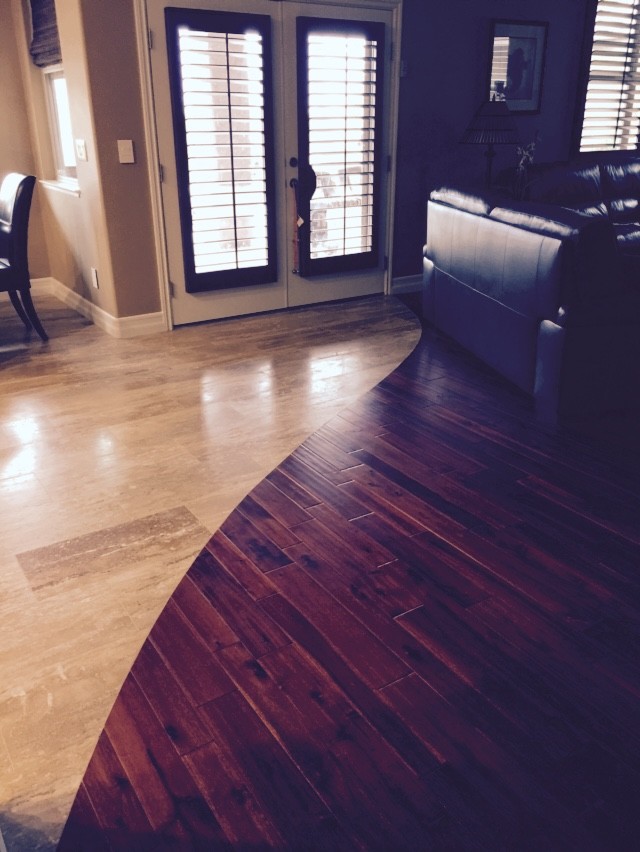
(151, 139)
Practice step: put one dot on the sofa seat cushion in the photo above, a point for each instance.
(593, 211)
(628, 237)
(621, 190)
(624, 210)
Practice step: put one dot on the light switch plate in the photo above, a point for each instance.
(125, 151)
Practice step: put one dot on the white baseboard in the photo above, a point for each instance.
(123, 327)
(141, 324)
(406, 284)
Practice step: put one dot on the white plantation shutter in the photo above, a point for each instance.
(612, 107)
(340, 86)
(222, 90)
(220, 68)
(341, 109)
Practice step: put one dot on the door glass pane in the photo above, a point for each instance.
(222, 113)
(341, 95)
(339, 135)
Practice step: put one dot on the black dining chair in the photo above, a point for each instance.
(16, 193)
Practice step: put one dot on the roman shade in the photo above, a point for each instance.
(45, 43)
(612, 107)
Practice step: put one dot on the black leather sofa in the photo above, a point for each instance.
(545, 290)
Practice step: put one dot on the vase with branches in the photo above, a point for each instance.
(525, 156)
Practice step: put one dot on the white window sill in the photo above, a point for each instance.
(71, 187)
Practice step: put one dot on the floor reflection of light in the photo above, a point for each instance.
(25, 428)
(104, 444)
(209, 411)
(22, 463)
(264, 380)
(264, 393)
(254, 396)
(325, 369)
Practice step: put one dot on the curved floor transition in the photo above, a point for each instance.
(420, 631)
(118, 459)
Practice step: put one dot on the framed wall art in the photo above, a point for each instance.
(517, 64)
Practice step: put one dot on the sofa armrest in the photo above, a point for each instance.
(512, 265)
(591, 259)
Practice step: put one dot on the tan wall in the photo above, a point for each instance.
(114, 78)
(108, 225)
(81, 221)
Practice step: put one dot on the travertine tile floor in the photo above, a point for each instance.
(118, 458)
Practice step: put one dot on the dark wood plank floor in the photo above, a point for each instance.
(421, 631)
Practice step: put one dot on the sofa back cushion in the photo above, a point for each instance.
(577, 188)
(461, 199)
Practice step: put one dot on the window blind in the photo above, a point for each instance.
(612, 106)
(223, 97)
(340, 88)
(341, 109)
(500, 65)
(219, 72)
(45, 43)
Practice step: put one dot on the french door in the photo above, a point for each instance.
(273, 127)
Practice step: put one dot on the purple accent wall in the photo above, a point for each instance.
(446, 52)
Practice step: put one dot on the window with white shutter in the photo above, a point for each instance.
(221, 93)
(611, 118)
(339, 136)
